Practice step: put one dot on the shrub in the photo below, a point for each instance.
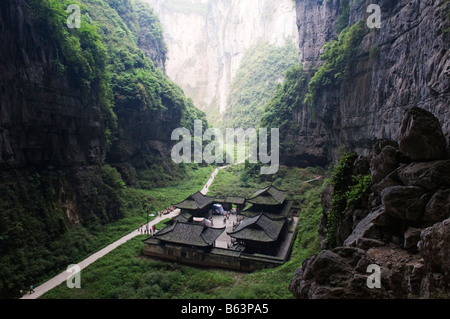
(339, 57)
(348, 192)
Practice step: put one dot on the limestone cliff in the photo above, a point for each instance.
(208, 39)
(400, 225)
(141, 19)
(52, 145)
(59, 134)
(393, 110)
(45, 119)
(403, 64)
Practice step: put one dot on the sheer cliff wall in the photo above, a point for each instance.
(403, 64)
(208, 39)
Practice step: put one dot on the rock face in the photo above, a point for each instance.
(402, 65)
(405, 229)
(421, 136)
(143, 23)
(54, 172)
(207, 40)
(45, 119)
(316, 21)
(343, 273)
(404, 202)
(50, 129)
(434, 247)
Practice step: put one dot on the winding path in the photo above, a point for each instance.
(59, 279)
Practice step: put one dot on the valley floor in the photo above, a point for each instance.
(125, 273)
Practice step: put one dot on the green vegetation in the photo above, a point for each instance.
(79, 53)
(43, 209)
(163, 197)
(339, 61)
(256, 81)
(125, 273)
(288, 96)
(349, 190)
(35, 235)
(143, 22)
(104, 56)
(278, 113)
(136, 84)
(344, 17)
(38, 217)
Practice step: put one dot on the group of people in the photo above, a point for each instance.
(144, 229)
(226, 215)
(31, 291)
(166, 211)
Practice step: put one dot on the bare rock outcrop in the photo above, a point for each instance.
(405, 229)
(421, 137)
(434, 246)
(404, 202)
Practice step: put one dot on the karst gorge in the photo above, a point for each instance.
(93, 94)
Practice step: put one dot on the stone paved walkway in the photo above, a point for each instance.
(59, 279)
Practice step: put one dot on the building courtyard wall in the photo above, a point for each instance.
(218, 257)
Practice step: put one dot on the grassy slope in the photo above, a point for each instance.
(90, 240)
(124, 273)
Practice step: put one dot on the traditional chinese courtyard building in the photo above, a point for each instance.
(228, 203)
(189, 234)
(266, 222)
(261, 236)
(197, 205)
(269, 200)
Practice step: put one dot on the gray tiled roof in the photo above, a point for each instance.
(268, 196)
(235, 200)
(182, 217)
(189, 234)
(195, 201)
(258, 228)
(282, 212)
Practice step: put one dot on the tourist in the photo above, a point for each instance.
(31, 289)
